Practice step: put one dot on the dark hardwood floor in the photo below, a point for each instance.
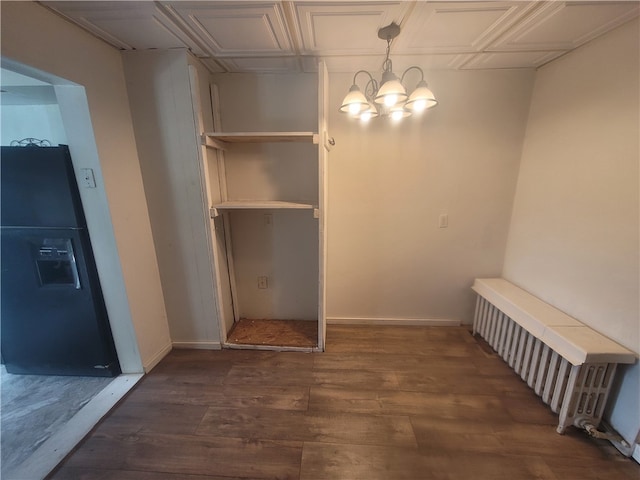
(381, 403)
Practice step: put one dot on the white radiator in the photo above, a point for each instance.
(570, 366)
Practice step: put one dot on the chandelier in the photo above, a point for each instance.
(389, 96)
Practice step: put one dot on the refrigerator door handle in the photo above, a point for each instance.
(74, 269)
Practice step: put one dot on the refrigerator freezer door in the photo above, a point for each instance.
(39, 188)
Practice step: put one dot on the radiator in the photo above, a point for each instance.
(575, 388)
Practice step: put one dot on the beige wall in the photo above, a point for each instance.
(388, 185)
(574, 236)
(116, 210)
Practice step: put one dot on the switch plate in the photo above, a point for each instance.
(443, 221)
(87, 180)
(263, 282)
(268, 219)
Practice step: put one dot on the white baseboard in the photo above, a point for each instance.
(423, 322)
(53, 450)
(164, 351)
(198, 345)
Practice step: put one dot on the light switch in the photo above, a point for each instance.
(443, 221)
(87, 180)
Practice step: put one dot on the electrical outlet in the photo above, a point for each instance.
(263, 282)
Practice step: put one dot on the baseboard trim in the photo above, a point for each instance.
(57, 447)
(164, 351)
(198, 345)
(424, 322)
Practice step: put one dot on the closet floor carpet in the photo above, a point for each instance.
(280, 333)
(381, 403)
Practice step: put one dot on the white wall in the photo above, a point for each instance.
(574, 235)
(387, 258)
(43, 122)
(116, 211)
(160, 98)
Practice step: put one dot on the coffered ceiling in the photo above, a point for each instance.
(268, 36)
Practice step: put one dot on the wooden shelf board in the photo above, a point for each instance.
(262, 137)
(262, 204)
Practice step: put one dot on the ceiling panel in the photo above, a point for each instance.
(278, 36)
(236, 28)
(347, 28)
(128, 25)
(457, 27)
(565, 25)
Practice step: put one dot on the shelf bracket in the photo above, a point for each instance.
(316, 139)
(207, 141)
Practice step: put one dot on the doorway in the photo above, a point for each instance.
(55, 412)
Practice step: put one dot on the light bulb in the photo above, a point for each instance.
(366, 116)
(419, 105)
(354, 108)
(390, 100)
(396, 115)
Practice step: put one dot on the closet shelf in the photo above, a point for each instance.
(218, 139)
(262, 204)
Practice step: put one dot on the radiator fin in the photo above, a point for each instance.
(572, 391)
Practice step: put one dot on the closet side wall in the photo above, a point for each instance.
(167, 139)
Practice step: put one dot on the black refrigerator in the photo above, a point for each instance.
(53, 318)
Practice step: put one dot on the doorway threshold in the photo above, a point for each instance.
(60, 444)
(272, 348)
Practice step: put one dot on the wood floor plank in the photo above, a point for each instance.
(74, 473)
(355, 462)
(267, 396)
(468, 407)
(527, 407)
(388, 362)
(190, 454)
(362, 378)
(383, 402)
(308, 427)
(615, 467)
(134, 417)
(261, 376)
(398, 340)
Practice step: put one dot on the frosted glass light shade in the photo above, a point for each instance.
(355, 102)
(421, 98)
(398, 112)
(392, 91)
(369, 113)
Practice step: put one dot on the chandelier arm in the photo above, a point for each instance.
(412, 68)
(373, 83)
(362, 71)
